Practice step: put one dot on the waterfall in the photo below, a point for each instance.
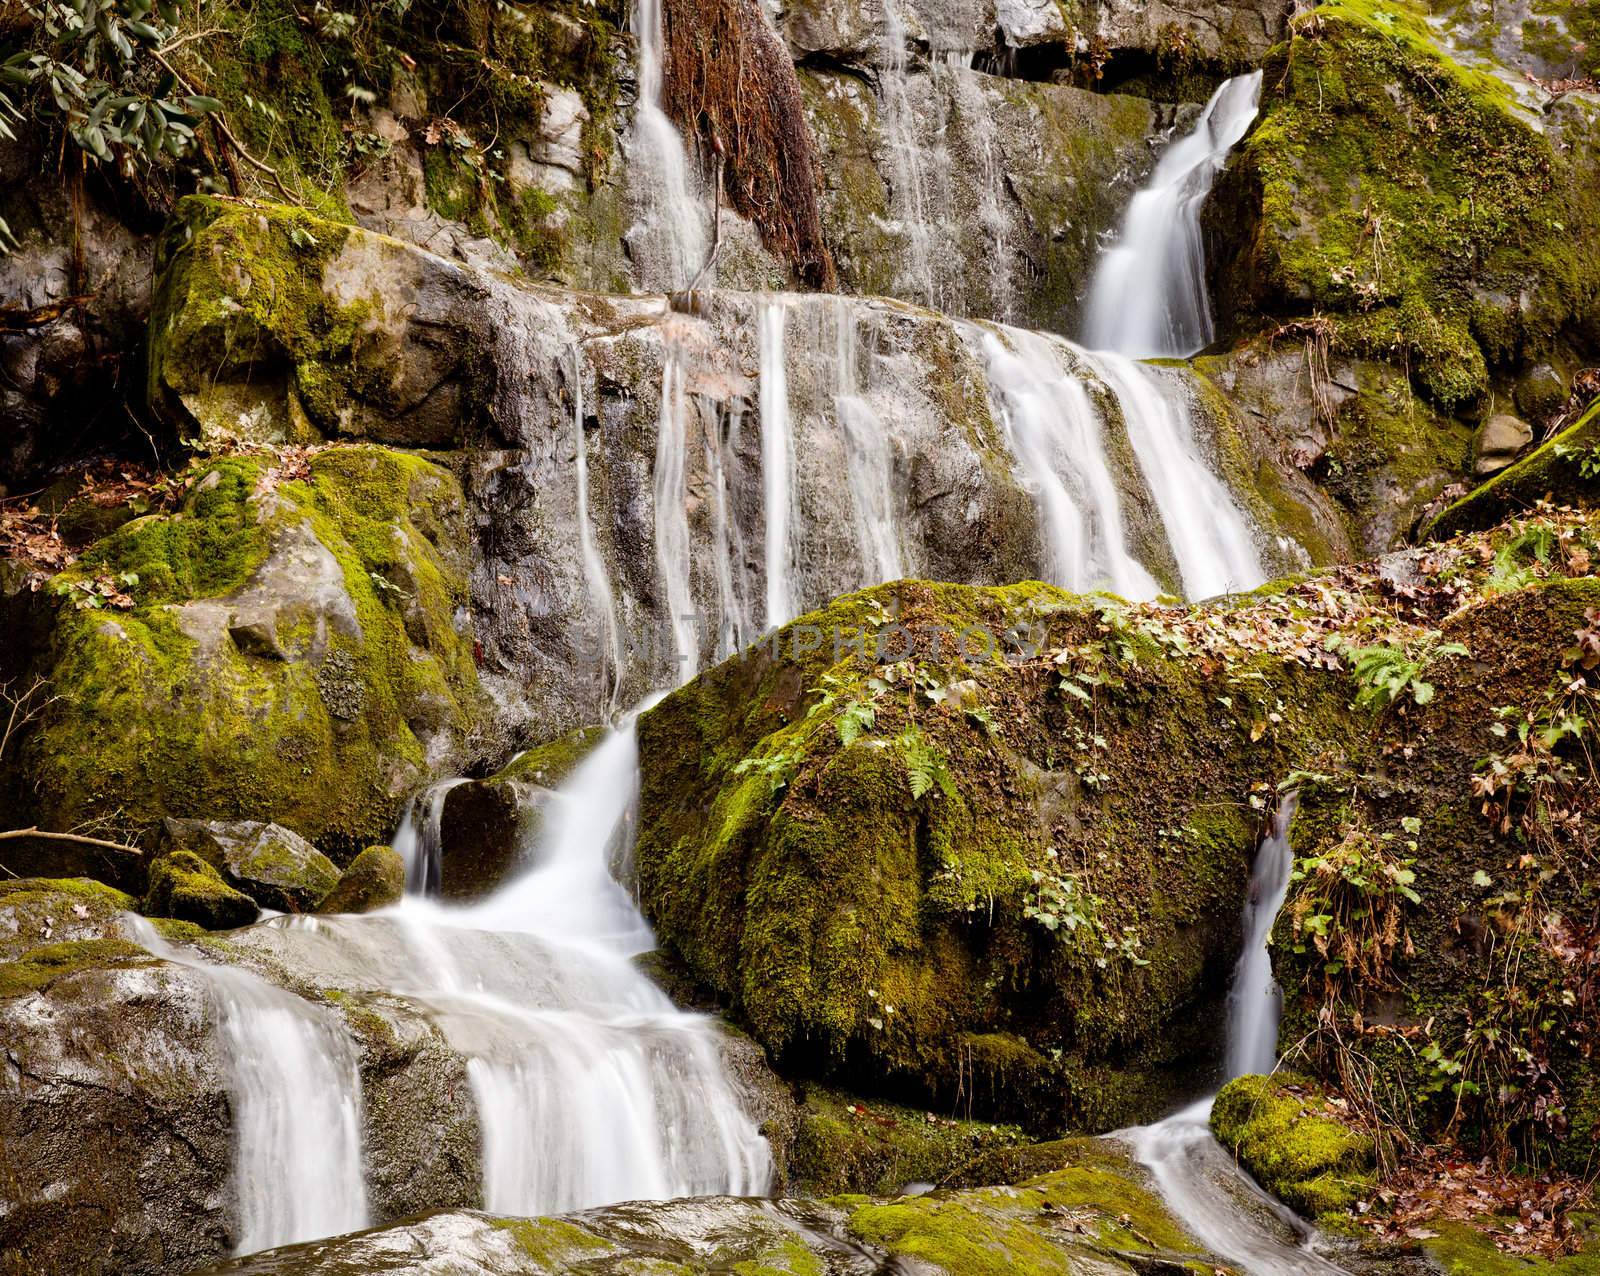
(418, 838)
(972, 104)
(594, 566)
(777, 464)
(1054, 436)
(669, 241)
(1207, 1192)
(295, 1095)
(1148, 298)
(734, 627)
(869, 459)
(590, 1086)
(1209, 534)
(908, 179)
(671, 513)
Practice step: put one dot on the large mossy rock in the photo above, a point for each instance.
(283, 647)
(375, 879)
(1018, 875)
(1411, 200)
(979, 874)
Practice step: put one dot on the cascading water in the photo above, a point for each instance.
(869, 459)
(734, 626)
(669, 241)
(594, 566)
(1054, 435)
(777, 464)
(1148, 298)
(418, 838)
(672, 516)
(295, 1095)
(1220, 1205)
(1208, 532)
(905, 160)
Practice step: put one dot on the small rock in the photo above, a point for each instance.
(375, 879)
(274, 866)
(1498, 441)
(1540, 393)
(184, 886)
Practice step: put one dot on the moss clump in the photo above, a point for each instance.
(787, 1258)
(1400, 193)
(375, 879)
(184, 887)
(549, 764)
(978, 889)
(175, 706)
(1283, 1131)
(40, 967)
(552, 1241)
(1463, 1249)
(1036, 1227)
(37, 908)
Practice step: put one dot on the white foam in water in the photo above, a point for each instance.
(295, 1094)
(1209, 1194)
(1148, 297)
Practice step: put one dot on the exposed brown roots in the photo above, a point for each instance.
(729, 83)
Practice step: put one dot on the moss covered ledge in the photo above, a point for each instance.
(279, 648)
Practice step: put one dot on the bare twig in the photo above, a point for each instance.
(78, 839)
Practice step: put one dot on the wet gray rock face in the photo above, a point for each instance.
(642, 387)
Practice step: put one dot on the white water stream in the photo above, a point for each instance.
(1220, 1205)
(295, 1095)
(869, 458)
(1148, 298)
(669, 241)
(594, 566)
(777, 464)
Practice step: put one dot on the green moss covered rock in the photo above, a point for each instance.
(375, 879)
(1296, 1144)
(281, 649)
(949, 872)
(188, 889)
(277, 868)
(1412, 201)
(36, 911)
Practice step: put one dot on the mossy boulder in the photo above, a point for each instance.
(279, 648)
(486, 826)
(1412, 202)
(1297, 1144)
(277, 868)
(943, 871)
(375, 879)
(188, 889)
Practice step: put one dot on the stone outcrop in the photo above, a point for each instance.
(281, 648)
(375, 879)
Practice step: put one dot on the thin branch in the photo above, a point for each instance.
(77, 839)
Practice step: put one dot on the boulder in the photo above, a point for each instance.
(277, 868)
(375, 879)
(1540, 393)
(38, 911)
(1498, 441)
(955, 907)
(285, 649)
(1091, 1217)
(1295, 1143)
(187, 888)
